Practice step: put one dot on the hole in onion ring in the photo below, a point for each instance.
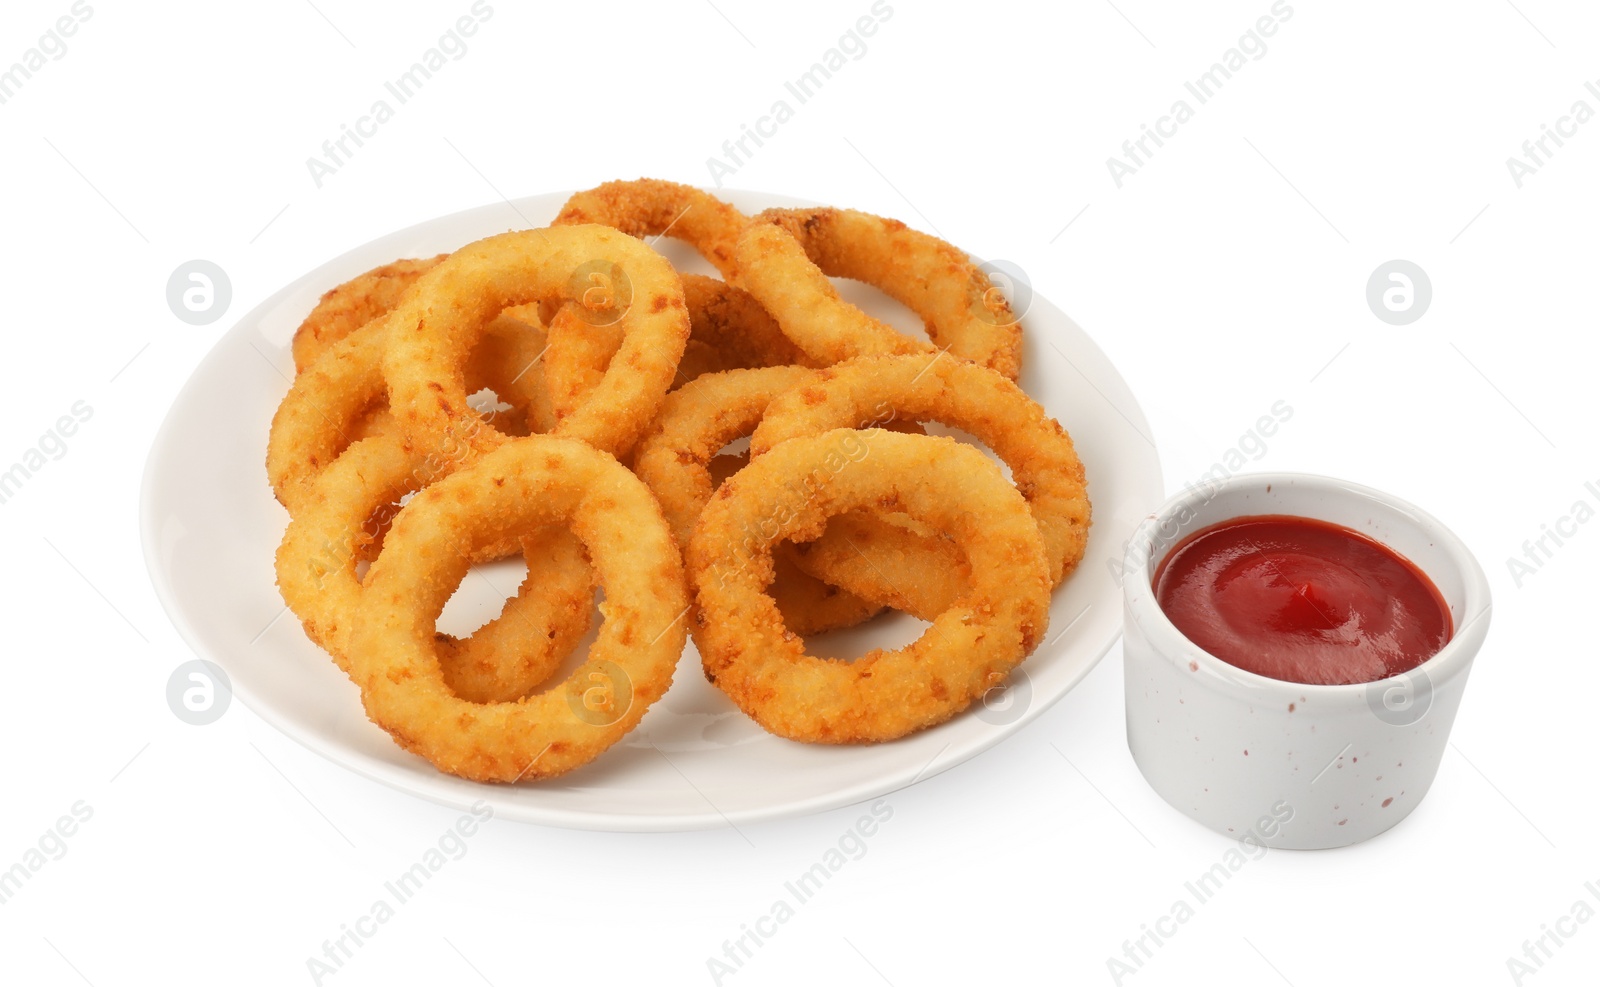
(373, 530)
(486, 402)
(481, 596)
(888, 630)
(876, 302)
(684, 258)
(967, 438)
(479, 600)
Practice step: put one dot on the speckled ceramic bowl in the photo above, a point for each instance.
(1281, 763)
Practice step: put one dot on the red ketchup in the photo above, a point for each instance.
(1302, 600)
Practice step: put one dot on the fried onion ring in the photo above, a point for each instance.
(786, 256)
(340, 399)
(502, 660)
(506, 362)
(997, 412)
(788, 493)
(652, 207)
(730, 321)
(613, 278)
(735, 330)
(676, 461)
(348, 307)
(524, 485)
(728, 330)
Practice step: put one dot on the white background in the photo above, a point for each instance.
(1223, 276)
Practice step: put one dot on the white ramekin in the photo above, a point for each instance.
(1281, 763)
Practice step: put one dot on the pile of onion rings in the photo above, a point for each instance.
(565, 396)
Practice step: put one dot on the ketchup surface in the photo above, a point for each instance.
(1302, 600)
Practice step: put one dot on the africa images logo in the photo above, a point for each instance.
(52, 445)
(51, 47)
(851, 47)
(1251, 47)
(451, 47)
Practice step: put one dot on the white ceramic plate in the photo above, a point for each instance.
(211, 526)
